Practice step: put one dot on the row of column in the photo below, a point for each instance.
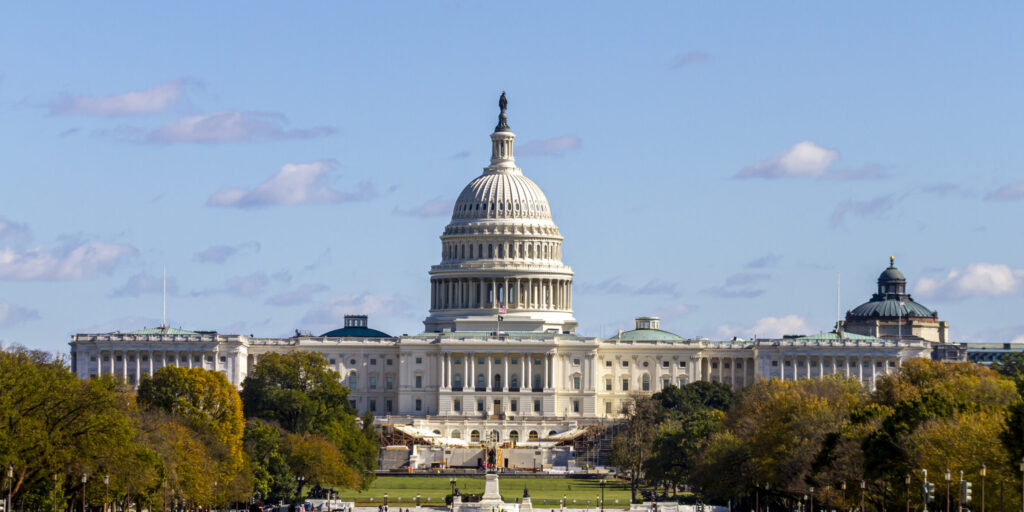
(491, 293)
(845, 368)
(529, 250)
(469, 362)
(137, 370)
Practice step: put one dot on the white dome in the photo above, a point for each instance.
(502, 195)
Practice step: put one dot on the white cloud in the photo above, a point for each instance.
(436, 207)
(300, 295)
(245, 286)
(293, 184)
(977, 280)
(141, 284)
(71, 262)
(13, 233)
(804, 159)
(867, 208)
(767, 327)
(557, 146)
(687, 58)
(333, 313)
(1010, 192)
(231, 126)
(154, 100)
(11, 314)
(221, 253)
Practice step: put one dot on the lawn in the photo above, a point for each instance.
(545, 492)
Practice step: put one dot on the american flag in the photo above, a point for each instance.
(502, 310)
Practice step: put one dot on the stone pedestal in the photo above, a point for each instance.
(491, 494)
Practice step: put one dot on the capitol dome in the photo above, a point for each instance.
(501, 255)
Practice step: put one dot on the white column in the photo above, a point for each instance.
(547, 374)
(99, 363)
(732, 372)
(528, 362)
(874, 372)
(504, 376)
(138, 368)
(833, 364)
(860, 368)
(465, 370)
(124, 365)
(490, 373)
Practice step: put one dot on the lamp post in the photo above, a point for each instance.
(85, 478)
(385, 502)
(982, 487)
(10, 486)
(844, 493)
(55, 492)
(602, 494)
(106, 491)
(812, 498)
(863, 487)
(565, 498)
(949, 478)
(417, 500)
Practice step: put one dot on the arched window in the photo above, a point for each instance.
(480, 250)
(513, 436)
(457, 384)
(552, 433)
(471, 251)
(497, 381)
(474, 436)
(490, 250)
(353, 379)
(501, 250)
(456, 434)
(529, 251)
(437, 432)
(532, 435)
(463, 252)
(481, 381)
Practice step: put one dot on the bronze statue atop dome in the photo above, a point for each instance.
(502, 102)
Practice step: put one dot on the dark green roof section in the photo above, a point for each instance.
(355, 332)
(891, 308)
(648, 335)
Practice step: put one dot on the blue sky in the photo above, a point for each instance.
(713, 164)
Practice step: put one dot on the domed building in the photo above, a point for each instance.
(501, 255)
(893, 314)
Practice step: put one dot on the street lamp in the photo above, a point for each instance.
(982, 487)
(907, 481)
(385, 502)
(54, 492)
(417, 500)
(812, 498)
(603, 484)
(10, 486)
(84, 479)
(949, 478)
(106, 491)
(844, 492)
(863, 487)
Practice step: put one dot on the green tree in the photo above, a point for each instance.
(631, 447)
(272, 476)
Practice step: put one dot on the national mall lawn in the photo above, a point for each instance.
(545, 492)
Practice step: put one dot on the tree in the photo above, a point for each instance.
(272, 476)
(301, 394)
(632, 446)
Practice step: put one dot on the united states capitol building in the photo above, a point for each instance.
(499, 360)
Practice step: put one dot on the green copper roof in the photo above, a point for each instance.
(891, 308)
(649, 335)
(832, 336)
(161, 330)
(356, 332)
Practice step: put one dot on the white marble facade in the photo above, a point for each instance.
(499, 353)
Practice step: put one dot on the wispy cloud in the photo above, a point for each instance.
(871, 207)
(615, 286)
(557, 146)
(738, 286)
(1008, 192)
(807, 160)
(249, 285)
(977, 280)
(221, 253)
(767, 327)
(12, 314)
(293, 184)
(684, 59)
(154, 100)
(13, 233)
(300, 295)
(231, 126)
(460, 155)
(333, 312)
(72, 259)
(436, 207)
(766, 261)
(142, 284)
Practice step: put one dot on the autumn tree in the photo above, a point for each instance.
(631, 447)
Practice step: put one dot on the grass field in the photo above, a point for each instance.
(545, 492)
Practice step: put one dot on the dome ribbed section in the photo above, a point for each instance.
(502, 195)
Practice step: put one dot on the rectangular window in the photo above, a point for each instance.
(119, 359)
(513, 360)
(419, 404)
(390, 383)
(714, 365)
(93, 358)
(419, 381)
(387, 406)
(373, 405)
(575, 362)
(389, 362)
(222, 359)
(480, 406)
(726, 366)
(458, 360)
(625, 364)
(608, 385)
(576, 406)
(131, 358)
(788, 363)
(536, 406)
(481, 360)
(608, 364)
(497, 360)
(664, 383)
(608, 407)
(665, 364)
(352, 403)
(419, 360)
(625, 384)
(373, 361)
(513, 405)
(682, 364)
(333, 361)
(576, 382)
(739, 365)
(373, 382)
(536, 361)
(775, 363)
(457, 405)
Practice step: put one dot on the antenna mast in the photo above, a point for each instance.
(163, 317)
(838, 302)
